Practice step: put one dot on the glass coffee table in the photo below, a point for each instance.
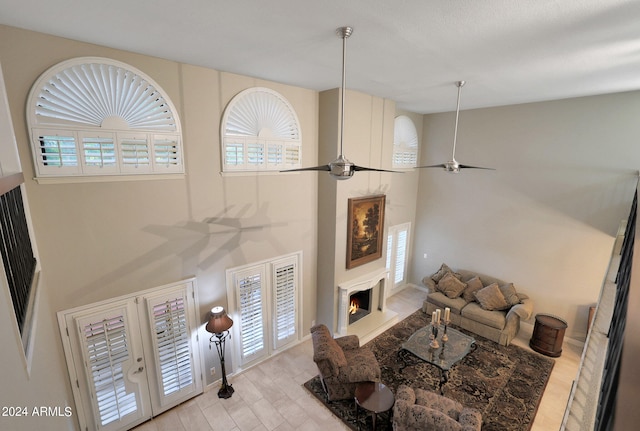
(444, 357)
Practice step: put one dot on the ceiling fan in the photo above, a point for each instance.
(453, 165)
(341, 168)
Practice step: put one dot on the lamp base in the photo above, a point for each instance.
(225, 391)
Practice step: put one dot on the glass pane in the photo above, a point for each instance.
(58, 151)
(99, 151)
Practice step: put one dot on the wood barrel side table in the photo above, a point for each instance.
(548, 335)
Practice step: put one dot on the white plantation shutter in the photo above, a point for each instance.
(96, 104)
(250, 291)
(99, 152)
(171, 329)
(174, 356)
(264, 300)
(284, 294)
(401, 256)
(58, 150)
(405, 143)
(167, 154)
(135, 153)
(108, 352)
(260, 132)
(397, 252)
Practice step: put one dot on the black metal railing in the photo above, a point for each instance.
(17, 253)
(609, 388)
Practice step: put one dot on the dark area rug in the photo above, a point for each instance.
(504, 383)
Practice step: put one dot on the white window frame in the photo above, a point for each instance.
(91, 97)
(266, 270)
(394, 252)
(260, 132)
(405, 143)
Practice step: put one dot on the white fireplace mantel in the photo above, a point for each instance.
(365, 282)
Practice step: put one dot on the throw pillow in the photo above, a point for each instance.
(510, 294)
(473, 286)
(444, 269)
(491, 298)
(451, 286)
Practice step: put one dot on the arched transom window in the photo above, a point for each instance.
(97, 117)
(260, 132)
(405, 143)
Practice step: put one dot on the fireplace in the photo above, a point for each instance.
(359, 305)
(373, 286)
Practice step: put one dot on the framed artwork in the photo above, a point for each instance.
(365, 229)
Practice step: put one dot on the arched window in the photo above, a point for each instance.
(96, 117)
(405, 143)
(260, 132)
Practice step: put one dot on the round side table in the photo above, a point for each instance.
(548, 334)
(374, 397)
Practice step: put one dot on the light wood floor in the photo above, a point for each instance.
(270, 396)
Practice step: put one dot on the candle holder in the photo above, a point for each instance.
(445, 337)
(434, 337)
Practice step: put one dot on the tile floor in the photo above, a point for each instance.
(270, 396)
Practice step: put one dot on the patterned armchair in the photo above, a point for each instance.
(417, 409)
(342, 363)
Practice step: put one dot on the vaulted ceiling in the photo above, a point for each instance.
(410, 51)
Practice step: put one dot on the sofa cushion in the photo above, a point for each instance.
(441, 300)
(473, 286)
(444, 269)
(510, 295)
(450, 285)
(494, 319)
(491, 298)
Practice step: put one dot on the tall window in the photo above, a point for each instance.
(264, 300)
(92, 117)
(260, 132)
(398, 253)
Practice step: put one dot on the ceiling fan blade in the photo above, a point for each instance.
(314, 168)
(475, 167)
(441, 165)
(362, 168)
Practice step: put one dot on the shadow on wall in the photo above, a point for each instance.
(199, 244)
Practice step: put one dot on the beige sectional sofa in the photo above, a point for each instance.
(479, 303)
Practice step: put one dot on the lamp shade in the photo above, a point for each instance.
(219, 321)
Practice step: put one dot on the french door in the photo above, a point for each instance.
(133, 357)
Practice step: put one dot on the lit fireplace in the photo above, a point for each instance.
(359, 305)
(353, 308)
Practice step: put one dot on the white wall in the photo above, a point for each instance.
(102, 240)
(37, 378)
(547, 217)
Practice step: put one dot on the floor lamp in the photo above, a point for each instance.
(219, 325)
